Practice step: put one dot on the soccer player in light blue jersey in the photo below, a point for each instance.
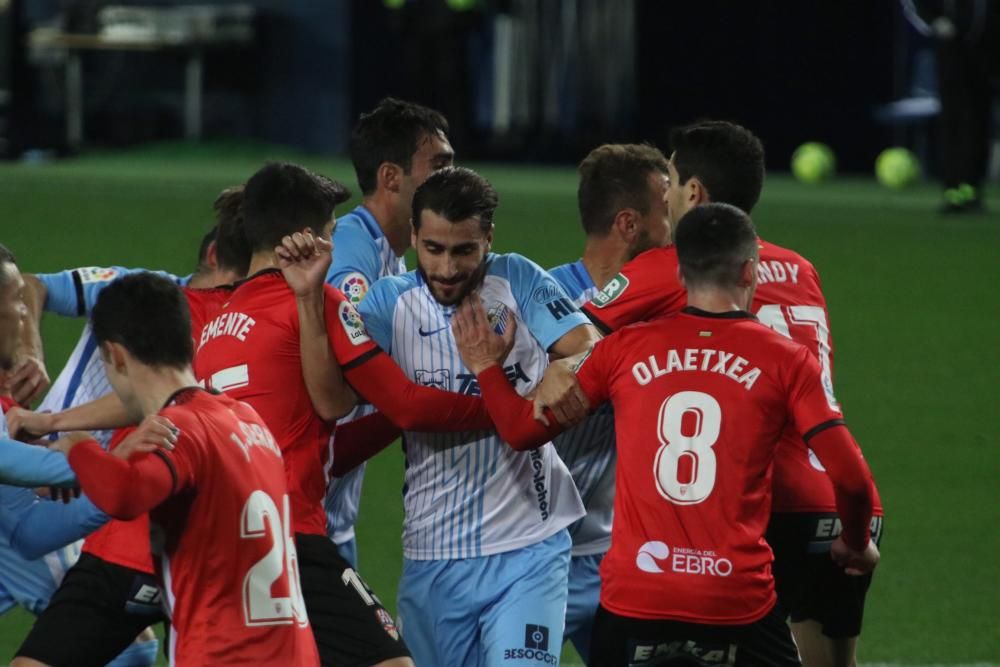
(622, 203)
(394, 148)
(484, 538)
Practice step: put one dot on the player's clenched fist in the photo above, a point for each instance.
(304, 259)
(855, 563)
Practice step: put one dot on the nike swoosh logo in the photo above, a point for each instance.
(431, 333)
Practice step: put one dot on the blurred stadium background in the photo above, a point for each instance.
(125, 172)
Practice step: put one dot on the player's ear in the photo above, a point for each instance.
(212, 256)
(489, 239)
(389, 176)
(115, 355)
(748, 273)
(626, 222)
(697, 192)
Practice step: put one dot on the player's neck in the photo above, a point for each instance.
(717, 300)
(394, 226)
(213, 278)
(603, 259)
(155, 386)
(259, 261)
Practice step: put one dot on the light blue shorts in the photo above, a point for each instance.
(581, 605)
(504, 610)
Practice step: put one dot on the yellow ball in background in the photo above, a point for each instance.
(896, 168)
(813, 162)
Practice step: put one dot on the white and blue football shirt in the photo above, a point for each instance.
(361, 255)
(469, 494)
(73, 293)
(588, 449)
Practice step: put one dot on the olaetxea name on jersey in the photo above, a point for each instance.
(729, 364)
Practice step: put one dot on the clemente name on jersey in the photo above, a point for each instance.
(230, 323)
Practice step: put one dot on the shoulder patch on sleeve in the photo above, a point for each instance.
(614, 289)
(96, 274)
(354, 327)
(354, 286)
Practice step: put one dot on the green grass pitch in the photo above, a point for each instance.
(912, 299)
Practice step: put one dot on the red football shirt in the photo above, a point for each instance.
(646, 289)
(788, 299)
(250, 350)
(126, 543)
(223, 543)
(700, 403)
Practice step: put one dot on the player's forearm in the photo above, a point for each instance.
(576, 343)
(329, 393)
(412, 407)
(359, 440)
(47, 526)
(123, 489)
(512, 414)
(106, 412)
(27, 465)
(852, 482)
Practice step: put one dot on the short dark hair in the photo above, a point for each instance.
(713, 241)
(284, 198)
(232, 249)
(727, 158)
(614, 177)
(456, 194)
(148, 315)
(390, 133)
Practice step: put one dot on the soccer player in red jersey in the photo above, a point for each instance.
(111, 595)
(721, 162)
(701, 399)
(252, 350)
(218, 501)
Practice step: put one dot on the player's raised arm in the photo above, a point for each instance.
(304, 260)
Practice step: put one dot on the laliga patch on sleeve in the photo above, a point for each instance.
(354, 327)
(355, 287)
(614, 289)
(96, 274)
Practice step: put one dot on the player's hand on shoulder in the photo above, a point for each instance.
(855, 563)
(27, 381)
(478, 344)
(155, 432)
(26, 425)
(304, 260)
(560, 392)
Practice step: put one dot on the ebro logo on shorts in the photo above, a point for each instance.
(657, 557)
